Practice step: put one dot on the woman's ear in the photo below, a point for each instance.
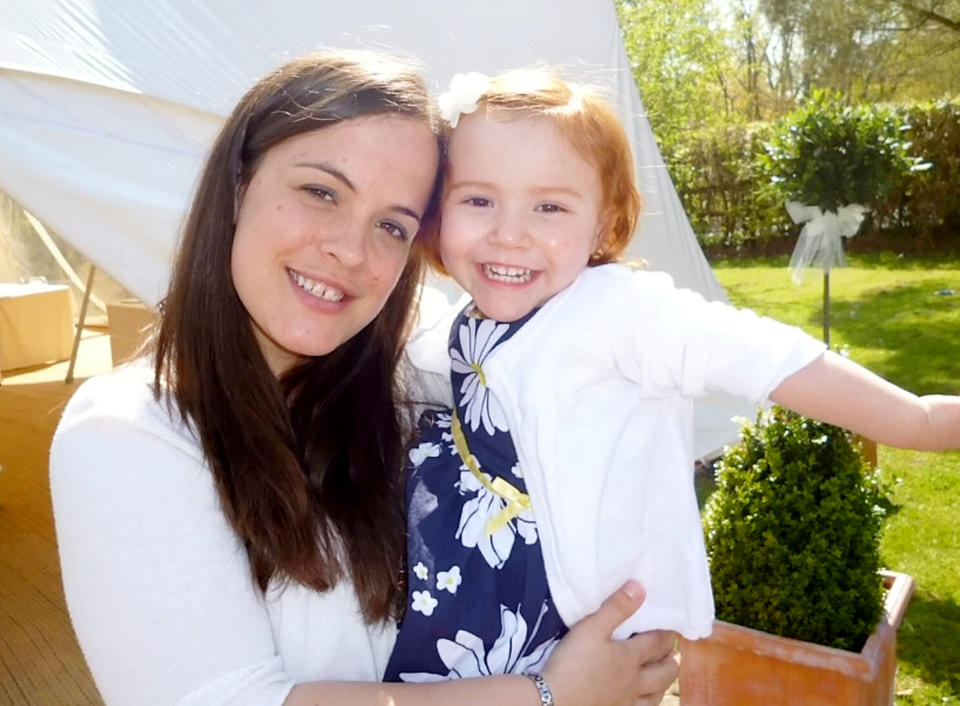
(238, 191)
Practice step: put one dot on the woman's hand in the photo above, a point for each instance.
(589, 668)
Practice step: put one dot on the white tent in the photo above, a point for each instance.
(107, 108)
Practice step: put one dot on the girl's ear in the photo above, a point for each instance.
(600, 235)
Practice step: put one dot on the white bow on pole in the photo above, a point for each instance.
(820, 240)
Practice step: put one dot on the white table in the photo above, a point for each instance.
(36, 324)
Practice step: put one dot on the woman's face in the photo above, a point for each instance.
(323, 231)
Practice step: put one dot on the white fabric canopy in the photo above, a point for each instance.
(107, 108)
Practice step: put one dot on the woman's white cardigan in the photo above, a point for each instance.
(158, 583)
(598, 391)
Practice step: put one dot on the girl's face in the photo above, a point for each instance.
(324, 228)
(522, 213)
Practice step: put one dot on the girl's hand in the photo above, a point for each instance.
(589, 668)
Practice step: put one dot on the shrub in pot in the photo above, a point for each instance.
(792, 533)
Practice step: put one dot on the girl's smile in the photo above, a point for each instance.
(507, 274)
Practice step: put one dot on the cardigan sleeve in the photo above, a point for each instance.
(681, 343)
(157, 584)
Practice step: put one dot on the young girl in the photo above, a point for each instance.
(565, 464)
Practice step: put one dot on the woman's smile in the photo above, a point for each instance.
(316, 288)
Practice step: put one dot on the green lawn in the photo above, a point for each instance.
(894, 316)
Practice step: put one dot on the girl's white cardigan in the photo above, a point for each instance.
(598, 390)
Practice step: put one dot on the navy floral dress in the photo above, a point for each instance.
(478, 596)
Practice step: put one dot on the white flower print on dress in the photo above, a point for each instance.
(465, 656)
(423, 602)
(445, 421)
(484, 506)
(421, 571)
(477, 340)
(449, 580)
(422, 452)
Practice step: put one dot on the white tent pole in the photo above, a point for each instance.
(44, 236)
(80, 322)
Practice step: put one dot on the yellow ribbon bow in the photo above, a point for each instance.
(517, 501)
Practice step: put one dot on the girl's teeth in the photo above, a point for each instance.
(502, 273)
(317, 289)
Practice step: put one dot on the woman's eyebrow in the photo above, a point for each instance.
(407, 212)
(341, 177)
(331, 170)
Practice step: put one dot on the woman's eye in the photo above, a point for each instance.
(478, 201)
(394, 229)
(321, 192)
(550, 208)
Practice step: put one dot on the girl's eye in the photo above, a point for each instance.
(478, 201)
(394, 229)
(321, 193)
(550, 208)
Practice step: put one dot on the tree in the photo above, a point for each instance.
(681, 64)
(937, 12)
(870, 50)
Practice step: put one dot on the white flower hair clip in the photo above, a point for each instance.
(463, 96)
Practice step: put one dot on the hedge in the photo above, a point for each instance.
(731, 204)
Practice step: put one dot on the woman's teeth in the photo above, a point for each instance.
(512, 275)
(317, 289)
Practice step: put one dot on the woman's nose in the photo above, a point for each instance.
(346, 241)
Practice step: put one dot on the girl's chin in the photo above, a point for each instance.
(507, 313)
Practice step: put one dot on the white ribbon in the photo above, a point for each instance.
(820, 242)
(463, 96)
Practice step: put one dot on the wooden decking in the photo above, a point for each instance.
(40, 662)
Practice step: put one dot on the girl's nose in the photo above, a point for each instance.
(509, 231)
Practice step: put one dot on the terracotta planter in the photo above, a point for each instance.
(738, 666)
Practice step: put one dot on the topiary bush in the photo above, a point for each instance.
(793, 532)
(829, 154)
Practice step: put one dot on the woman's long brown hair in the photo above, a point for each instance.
(308, 467)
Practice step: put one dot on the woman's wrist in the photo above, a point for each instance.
(543, 689)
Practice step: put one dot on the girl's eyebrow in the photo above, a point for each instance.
(568, 190)
(472, 184)
(489, 186)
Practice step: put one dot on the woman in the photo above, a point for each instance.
(230, 522)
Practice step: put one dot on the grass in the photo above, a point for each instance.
(894, 316)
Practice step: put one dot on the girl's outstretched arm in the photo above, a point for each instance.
(587, 668)
(838, 391)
